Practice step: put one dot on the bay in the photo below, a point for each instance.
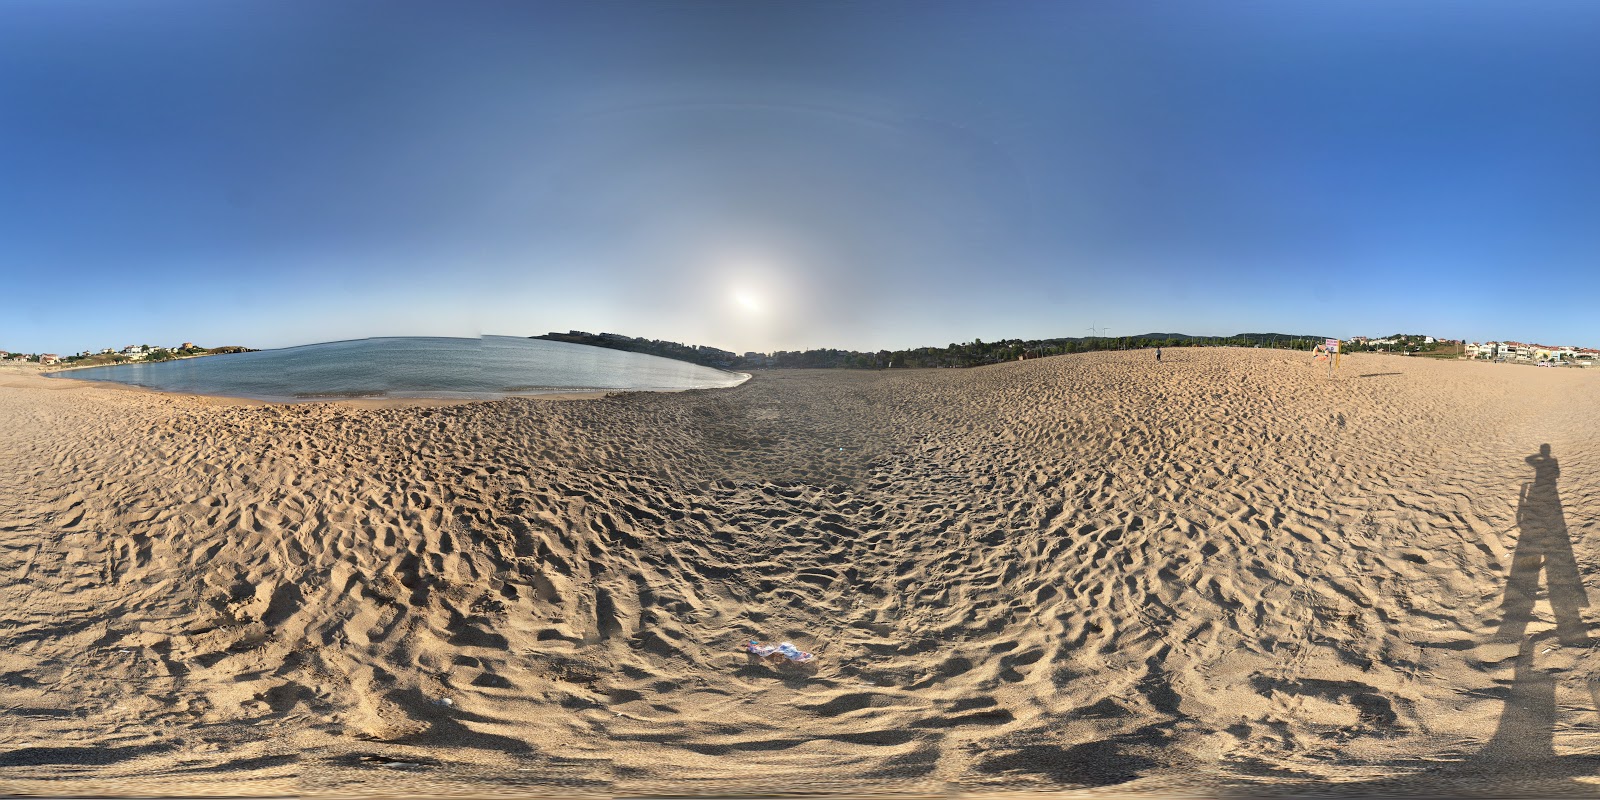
(487, 367)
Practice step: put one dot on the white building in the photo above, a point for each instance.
(1515, 351)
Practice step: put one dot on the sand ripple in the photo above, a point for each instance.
(1082, 571)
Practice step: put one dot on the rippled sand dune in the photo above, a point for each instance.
(1225, 572)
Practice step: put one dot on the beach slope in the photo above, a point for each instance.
(1228, 571)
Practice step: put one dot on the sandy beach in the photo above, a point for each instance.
(1226, 573)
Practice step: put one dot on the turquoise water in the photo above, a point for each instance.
(484, 368)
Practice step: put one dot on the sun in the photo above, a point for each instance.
(747, 300)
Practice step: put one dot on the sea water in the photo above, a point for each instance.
(484, 368)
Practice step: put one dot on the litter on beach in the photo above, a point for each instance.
(772, 652)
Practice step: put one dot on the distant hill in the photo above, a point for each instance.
(694, 354)
(157, 355)
(971, 354)
(1238, 338)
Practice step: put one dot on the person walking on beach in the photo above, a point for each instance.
(1158, 355)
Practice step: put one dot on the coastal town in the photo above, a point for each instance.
(1549, 355)
(130, 354)
(1498, 351)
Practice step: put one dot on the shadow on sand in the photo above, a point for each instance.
(1520, 759)
(1525, 738)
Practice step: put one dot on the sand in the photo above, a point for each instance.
(1224, 573)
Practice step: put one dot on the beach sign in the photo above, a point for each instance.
(1329, 349)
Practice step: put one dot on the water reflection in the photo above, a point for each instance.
(487, 367)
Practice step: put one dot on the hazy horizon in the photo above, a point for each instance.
(995, 339)
(779, 176)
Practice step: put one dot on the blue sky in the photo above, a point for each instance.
(779, 175)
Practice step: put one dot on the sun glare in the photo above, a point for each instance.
(747, 301)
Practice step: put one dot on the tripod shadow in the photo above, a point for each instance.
(1543, 546)
(1521, 756)
(1527, 723)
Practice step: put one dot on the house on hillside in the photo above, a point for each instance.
(1515, 351)
(1551, 352)
(49, 358)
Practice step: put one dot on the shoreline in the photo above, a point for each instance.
(376, 401)
(71, 367)
(420, 400)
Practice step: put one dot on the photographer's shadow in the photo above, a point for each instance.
(1525, 736)
(1543, 545)
(1521, 755)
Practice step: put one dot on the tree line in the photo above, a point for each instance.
(975, 353)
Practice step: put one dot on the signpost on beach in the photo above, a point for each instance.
(1329, 349)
